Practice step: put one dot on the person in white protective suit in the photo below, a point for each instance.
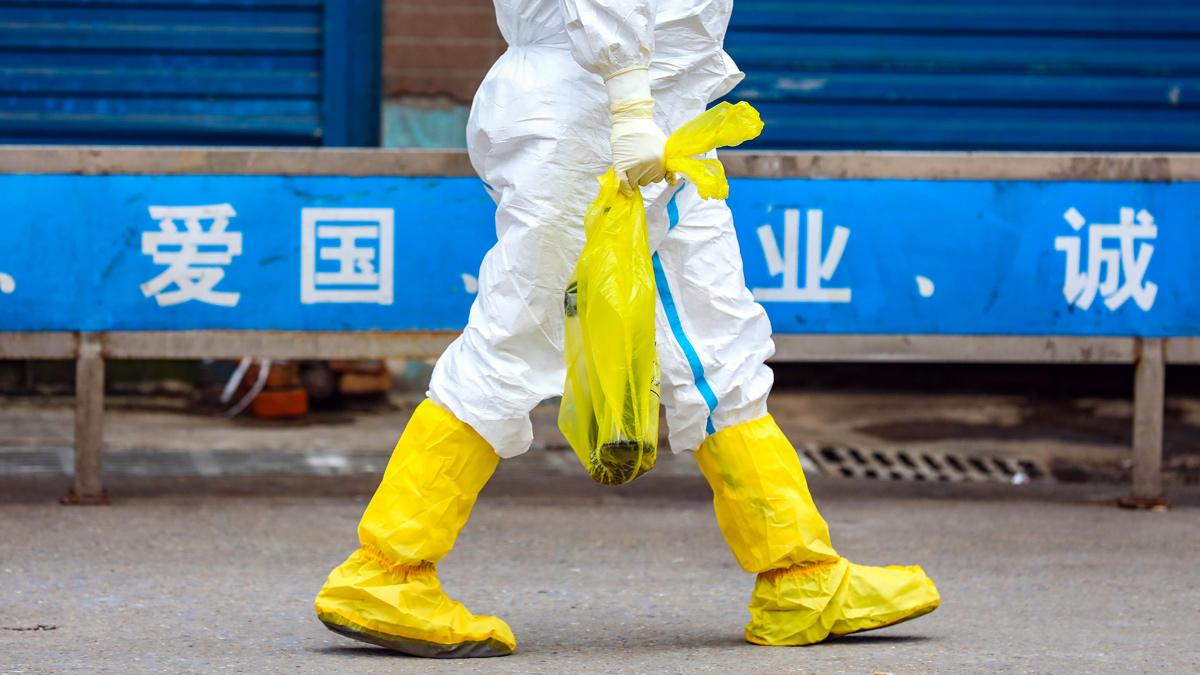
(584, 85)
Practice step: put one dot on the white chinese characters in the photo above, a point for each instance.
(1117, 259)
(346, 255)
(818, 268)
(194, 256)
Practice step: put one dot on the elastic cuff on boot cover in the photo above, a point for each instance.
(405, 609)
(807, 604)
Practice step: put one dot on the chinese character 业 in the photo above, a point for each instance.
(193, 255)
(1116, 262)
(346, 255)
(817, 268)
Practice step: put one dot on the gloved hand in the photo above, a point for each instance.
(637, 142)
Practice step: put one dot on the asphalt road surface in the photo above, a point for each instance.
(218, 575)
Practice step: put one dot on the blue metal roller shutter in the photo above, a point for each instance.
(1099, 75)
(257, 72)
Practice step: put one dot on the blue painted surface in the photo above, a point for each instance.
(353, 60)
(76, 254)
(230, 72)
(988, 248)
(986, 253)
(1017, 75)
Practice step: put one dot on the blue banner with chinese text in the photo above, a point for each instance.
(823, 256)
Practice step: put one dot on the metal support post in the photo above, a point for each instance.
(1149, 396)
(89, 423)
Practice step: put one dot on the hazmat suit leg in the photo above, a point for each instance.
(713, 346)
(713, 338)
(387, 592)
(805, 592)
(538, 157)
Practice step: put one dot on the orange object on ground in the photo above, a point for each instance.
(280, 403)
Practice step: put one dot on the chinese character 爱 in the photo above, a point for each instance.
(193, 255)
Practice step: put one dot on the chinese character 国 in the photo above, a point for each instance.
(346, 255)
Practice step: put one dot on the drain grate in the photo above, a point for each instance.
(923, 465)
(831, 459)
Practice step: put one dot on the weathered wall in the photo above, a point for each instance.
(434, 56)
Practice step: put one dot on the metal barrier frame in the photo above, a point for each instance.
(90, 350)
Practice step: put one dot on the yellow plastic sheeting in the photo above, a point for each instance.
(436, 471)
(761, 498)
(724, 125)
(406, 609)
(609, 411)
(805, 605)
(805, 591)
(387, 592)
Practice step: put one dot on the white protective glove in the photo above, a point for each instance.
(637, 142)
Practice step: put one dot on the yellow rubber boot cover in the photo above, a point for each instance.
(805, 591)
(387, 592)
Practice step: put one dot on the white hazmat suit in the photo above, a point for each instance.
(539, 137)
(570, 97)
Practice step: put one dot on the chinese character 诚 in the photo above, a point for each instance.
(346, 255)
(1116, 260)
(817, 268)
(193, 255)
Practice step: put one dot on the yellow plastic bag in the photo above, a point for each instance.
(609, 411)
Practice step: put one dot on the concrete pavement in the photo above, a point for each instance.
(218, 575)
